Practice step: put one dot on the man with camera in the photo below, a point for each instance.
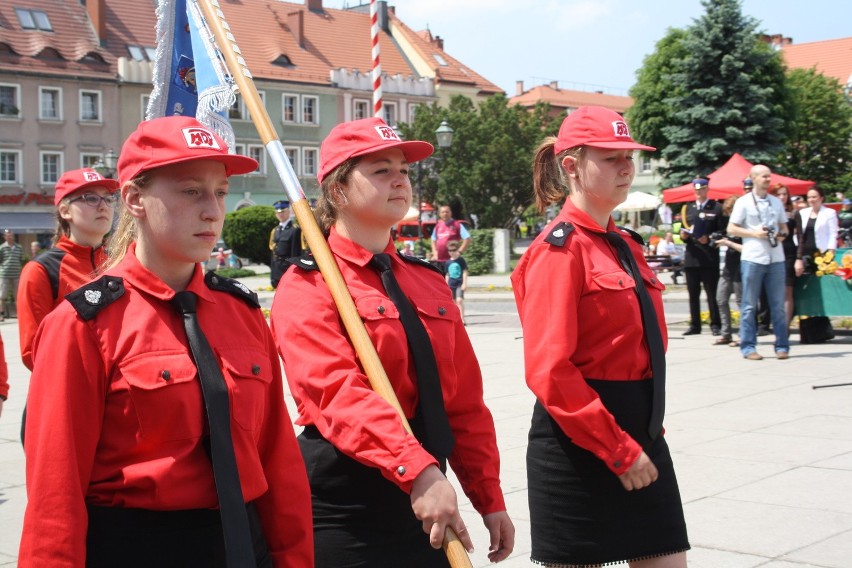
(759, 219)
(701, 218)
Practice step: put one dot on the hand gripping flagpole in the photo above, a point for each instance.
(215, 20)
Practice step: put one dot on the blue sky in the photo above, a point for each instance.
(589, 44)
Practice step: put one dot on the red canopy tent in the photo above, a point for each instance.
(728, 180)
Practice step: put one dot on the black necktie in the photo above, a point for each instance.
(438, 438)
(653, 335)
(239, 551)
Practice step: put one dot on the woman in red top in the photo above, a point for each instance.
(601, 484)
(377, 489)
(122, 427)
(85, 205)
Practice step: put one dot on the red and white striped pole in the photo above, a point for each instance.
(377, 66)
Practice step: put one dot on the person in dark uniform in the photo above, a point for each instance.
(701, 219)
(602, 487)
(379, 495)
(157, 433)
(285, 241)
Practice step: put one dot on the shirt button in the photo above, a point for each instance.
(621, 283)
(380, 309)
(616, 464)
(442, 311)
(653, 280)
(112, 285)
(166, 375)
(214, 280)
(401, 470)
(255, 369)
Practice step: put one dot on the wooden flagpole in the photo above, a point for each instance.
(224, 39)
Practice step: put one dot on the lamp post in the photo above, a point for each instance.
(444, 135)
(106, 165)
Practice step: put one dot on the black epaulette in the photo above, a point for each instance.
(233, 287)
(559, 234)
(633, 235)
(88, 300)
(419, 262)
(305, 262)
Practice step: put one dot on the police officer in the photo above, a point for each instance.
(285, 241)
(157, 433)
(701, 218)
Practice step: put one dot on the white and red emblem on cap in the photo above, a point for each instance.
(619, 128)
(387, 133)
(200, 138)
(91, 175)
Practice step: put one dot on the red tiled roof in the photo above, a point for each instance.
(71, 48)
(454, 71)
(565, 98)
(832, 58)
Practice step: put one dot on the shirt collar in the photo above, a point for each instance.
(352, 252)
(578, 217)
(146, 281)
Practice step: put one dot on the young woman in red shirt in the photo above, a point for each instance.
(379, 495)
(602, 488)
(157, 433)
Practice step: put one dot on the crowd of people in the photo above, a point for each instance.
(154, 434)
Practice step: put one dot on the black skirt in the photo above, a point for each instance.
(361, 520)
(579, 511)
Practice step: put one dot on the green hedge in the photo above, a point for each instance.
(480, 254)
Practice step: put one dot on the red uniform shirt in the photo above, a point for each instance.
(4, 372)
(35, 293)
(333, 393)
(582, 319)
(116, 418)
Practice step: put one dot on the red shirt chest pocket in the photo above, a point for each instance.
(610, 295)
(250, 371)
(165, 395)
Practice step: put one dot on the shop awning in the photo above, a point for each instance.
(28, 222)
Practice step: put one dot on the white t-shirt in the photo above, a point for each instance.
(752, 212)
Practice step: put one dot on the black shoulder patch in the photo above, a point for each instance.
(419, 262)
(305, 262)
(90, 299)
(559, 234)
(633, 235)
(233, 287)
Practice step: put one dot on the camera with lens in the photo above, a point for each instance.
(771, 234)
(717, 236)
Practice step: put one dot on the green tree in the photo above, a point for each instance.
(818, 147)
(247, 230)
(488, 168)
(650, 112)
(726, 95)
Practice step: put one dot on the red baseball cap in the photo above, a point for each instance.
(365, 136)
(172, 140)
(597, 127)
(75, 180)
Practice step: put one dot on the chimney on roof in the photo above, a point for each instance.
(382, 15)
(554, 85)
(314, 5)
(296, 23)
(97, 14)
(438, 42)
(776, 41)
(519, 88)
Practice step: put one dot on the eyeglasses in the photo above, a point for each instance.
(94, 200)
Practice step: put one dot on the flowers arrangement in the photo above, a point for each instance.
(845, 268)
(825, 263)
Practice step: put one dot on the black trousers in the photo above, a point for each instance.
(140, 538)
(708, 277)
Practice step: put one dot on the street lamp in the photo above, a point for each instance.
(106, 165)
(444, 135)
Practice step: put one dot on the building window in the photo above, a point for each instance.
(142, 53)
(262, 96)
(257, 152)
(240, 149)
(293, 158)
(50, 103)
(10, 96)
(90, 106)
(309, 161)
(237, 110)
(289, 104)
(361, 109)
(390, 113)
(51, 167)
(412, 111)
(89, 160)
(310, 110)
(33, 20)
(646, 163)
(10, 166)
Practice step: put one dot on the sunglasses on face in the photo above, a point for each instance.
(94, 200)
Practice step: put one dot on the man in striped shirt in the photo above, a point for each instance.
(10, 269)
